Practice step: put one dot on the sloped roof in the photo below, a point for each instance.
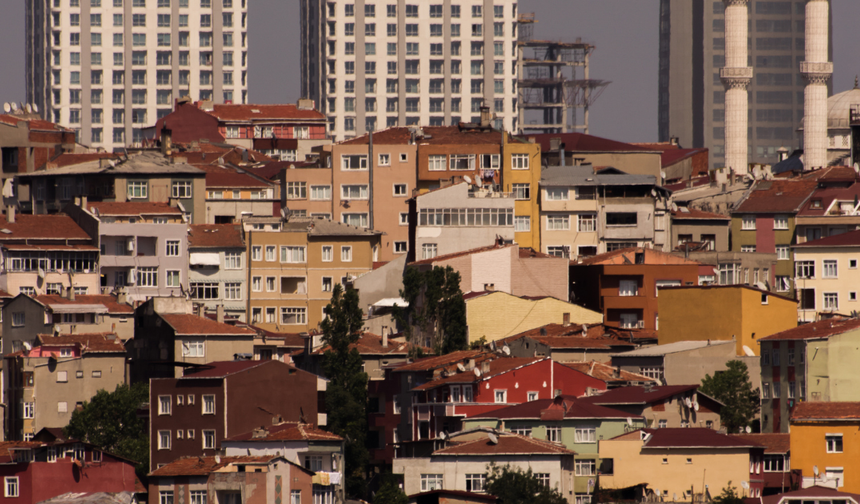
(496, 367)
(457, 135)
(439, 361)
(325, 227)
(816, 330)
(693, 214)
(508, 444)
(230, 178)
(628, 256)
(190, 324)
(49, 227)
(288, 431)
(202, 466)
(568, 336)
(776, 196)
(668, 157)
(805, 410)
(849, 239)
(696, 437)
(223, 369)
(215, 236)
(670, 348)
(455, 255)
(253, 112)
(392, 136)
(371, 344)
(128, 208)
(570, 406)
(773, 443)
(71, 158)
(108, 301)
(139, 163)
(87, 342)
(584, 175)
(638, 395)
(605, 372)
(811, 494)
(33, 122)
(580, 142)
(825, 196)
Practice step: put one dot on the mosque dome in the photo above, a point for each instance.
(839, 107)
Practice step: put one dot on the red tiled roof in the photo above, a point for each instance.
(638, 395)
(14, 120)
(672, 156)
(849, 239)
(809, 494)
(628, 256)
(580, 142)
(5, 295)
(606, 372)
(390, 136)
(696, 437)
(215, 236)
(202, 466)
(777, 196)
(70, 159)
(447, 257)
(439, 361)
(52, 227)
(89, 343)
(825, 411)
(497, 367)
(570, 406)
(57, 246)
(224, 368)
(508, 444)
(825, 196)
(455, 135)
(693, 214)
(186, 323)
(371, 344)
(225, 177)
(529, 253)
(132, 208)
(773, 443)
(559, 335)
(289, 431)
(110, 302)
(237, 112)
(815, 330)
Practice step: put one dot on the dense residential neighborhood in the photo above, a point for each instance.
(424, 289)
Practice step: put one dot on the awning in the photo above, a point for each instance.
(205, 259)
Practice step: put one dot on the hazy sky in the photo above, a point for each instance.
(624, 32)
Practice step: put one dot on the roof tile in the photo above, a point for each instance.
(215, 236)
(825, 411)
(187, 323)
(508, 444)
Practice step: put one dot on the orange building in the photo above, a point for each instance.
(825, 444)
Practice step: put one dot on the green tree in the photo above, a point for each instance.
(733, 388)
(729, 496)
(110, 420)
(389, 491)
(346, 393)
(515, 486)
(436, 309)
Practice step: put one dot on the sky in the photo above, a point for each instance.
(625, 33)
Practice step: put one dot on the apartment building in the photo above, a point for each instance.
(217, 273)
(826, 275)
(295, 263)
(109, 68)
(375, 64)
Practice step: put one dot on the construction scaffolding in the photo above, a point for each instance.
(553, 82)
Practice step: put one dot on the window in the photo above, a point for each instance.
(475, 482)
(805, 269)
(292, 254)
(164, 403)
(181, 189)
(354, 162)
(586, 223)
(557, 222)
(346, 253)
(782, 252)
(780, 222)
(428, 250)
(208, 405)
(294, 316)
(164, 444)
(501, 396)
(147, 277)
(29, 409)
(557, 193)
(748, 222)
(585, 467)
(586, 434)
(522, 223)
(137, 189)
(193, 348)
(208, 439)
(747, 248)
(198, 496)
(833, 442)
(430, 482)
(172, 248)
(270, 253)
(10, 486)
(232, 260)
(522, 191)
(831, 301)
(621, 219)
(62, 376)
(830, 269)
(354, 191)
(18, 319)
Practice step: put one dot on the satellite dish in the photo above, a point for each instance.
(745, 485)
(674, 497)
(443, 435)
(493, 438)
(696, 406)
(748, 351)
(6, 107)
(688, 402)
(506, 349)
(28, 108)
(815, 470)
(748, 429)
(461, 367)
(646, 438)
(477, 372)
(14, 107)
(630, 421)
(467, 178)
(27, 346)
(35, 109)
(21, 105)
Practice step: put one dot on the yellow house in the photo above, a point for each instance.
(827, 275)
(294, 265)
(521, 168)
(723, 312)
(680, 464)
(825, 437)
(496, 315)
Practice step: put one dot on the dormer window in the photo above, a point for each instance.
(815, 204)
(65, 352)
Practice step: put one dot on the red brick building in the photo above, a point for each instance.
(623, 284)
(34, 471)
(191, 415)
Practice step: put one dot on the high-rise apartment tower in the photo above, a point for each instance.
(108, 68)
(372, 64)
(692, 95)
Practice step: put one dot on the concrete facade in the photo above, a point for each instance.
(682, 363)
(218, 268)
(826, 276)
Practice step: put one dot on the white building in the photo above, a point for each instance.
(375, 64)
(108, 68)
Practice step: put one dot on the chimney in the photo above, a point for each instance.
(201, 311)
(10, 214)
(219, 313)
(166, 141)
(83, 201)
(674, 141)
(485, 116)
(385, 332)
(71, 294)
(122, 296)
(305, 104)
(565, 317)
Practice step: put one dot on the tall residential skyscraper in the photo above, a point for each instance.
(692, 95)
(372, 64)
(108, 68)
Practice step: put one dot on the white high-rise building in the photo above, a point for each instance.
(372, 64)
(107, 68)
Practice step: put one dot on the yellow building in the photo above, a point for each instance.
(680, 464)
(496, 315)
(294, 265)
(827, 275)
(723, 312)
(521, 168)
(825, 436)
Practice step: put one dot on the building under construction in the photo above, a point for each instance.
(553, 83)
